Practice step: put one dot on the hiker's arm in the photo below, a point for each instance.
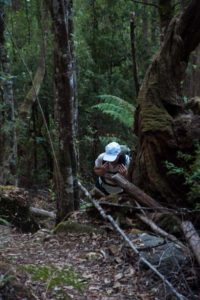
(100, 171)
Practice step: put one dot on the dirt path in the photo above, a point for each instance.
(103, 265)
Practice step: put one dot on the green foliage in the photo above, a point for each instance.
(119, 109)
(190, 172)
(54, 277)
(4, 222)
(174, 170)
(104, 67)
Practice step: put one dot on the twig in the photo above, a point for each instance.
(128, 241)
(178, 211)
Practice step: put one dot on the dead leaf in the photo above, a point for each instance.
(118, 276)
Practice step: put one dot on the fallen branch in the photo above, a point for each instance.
(42, 213)
(178, 211)
(135, 191)
(192, 237)
(128, 241)
(159, 230)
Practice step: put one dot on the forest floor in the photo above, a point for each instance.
(73, 265)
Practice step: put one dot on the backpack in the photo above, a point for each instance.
(125, 150)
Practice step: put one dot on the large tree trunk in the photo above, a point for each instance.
(66, 166)
(162, 124)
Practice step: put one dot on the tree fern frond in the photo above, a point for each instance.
(117, 115)
(117, 101)
(117, 108)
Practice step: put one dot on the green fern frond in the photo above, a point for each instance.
(117, 108)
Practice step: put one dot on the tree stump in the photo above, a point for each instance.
(15, 208)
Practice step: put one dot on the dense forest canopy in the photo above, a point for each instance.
(104, 95)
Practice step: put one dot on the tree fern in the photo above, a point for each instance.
(117, 108)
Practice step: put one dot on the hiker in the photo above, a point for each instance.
(113, 160)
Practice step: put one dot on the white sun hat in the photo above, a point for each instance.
(111, 152)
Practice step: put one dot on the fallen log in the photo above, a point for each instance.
(136, 192)
(42, 213)
(130, 243)
(192, 237)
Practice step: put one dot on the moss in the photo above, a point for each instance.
(55, 278)
(155, 118)
(7, 187)
(73, 227)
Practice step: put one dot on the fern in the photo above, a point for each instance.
(117, 108)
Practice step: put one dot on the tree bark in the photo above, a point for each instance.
(65, 103)
(162, 124)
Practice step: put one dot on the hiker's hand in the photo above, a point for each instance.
(105, 167)
(102, 170)
(122, 170)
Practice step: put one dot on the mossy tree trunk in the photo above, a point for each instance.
(66, 166)
(163, 125)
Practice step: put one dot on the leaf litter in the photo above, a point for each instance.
(76, 266)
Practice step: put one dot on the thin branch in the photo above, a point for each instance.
(178, 211)
(150, 4)
(153, 4)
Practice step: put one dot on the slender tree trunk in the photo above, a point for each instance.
(8, 140)
(133, 50)
(162, 124)
(28, 159)
(65, 98)
(95, 82)
(74, 152)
